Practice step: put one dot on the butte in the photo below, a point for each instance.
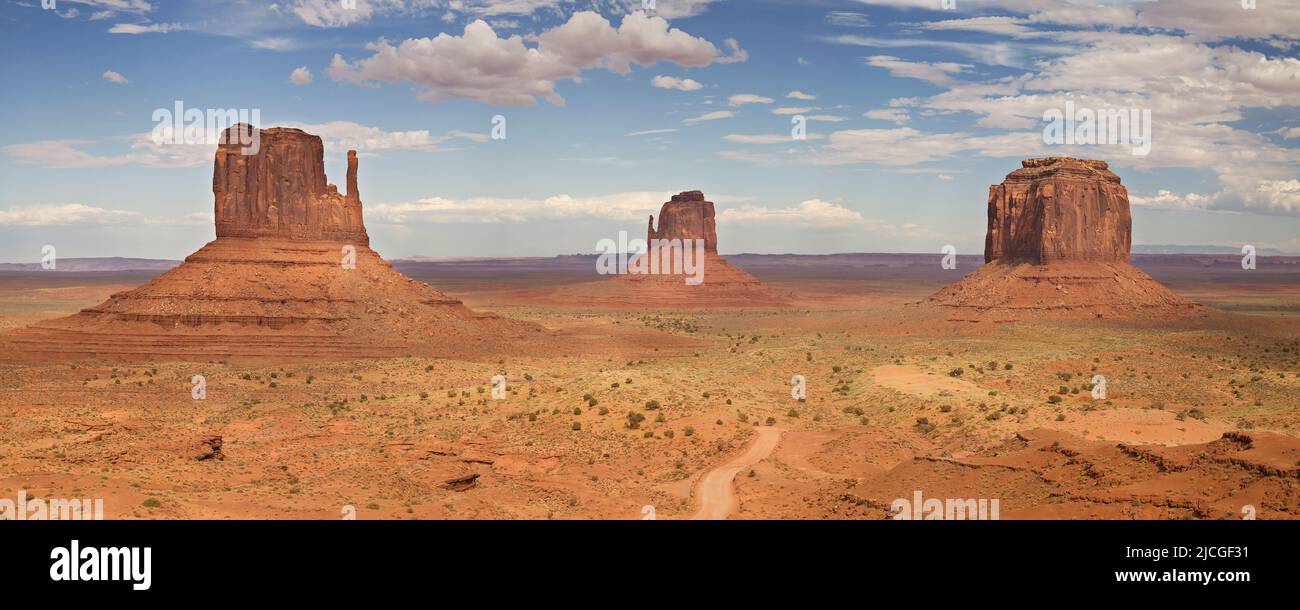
(290, 274)
(1057, 245)
(687, 216)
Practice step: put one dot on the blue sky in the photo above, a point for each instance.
(912, 111)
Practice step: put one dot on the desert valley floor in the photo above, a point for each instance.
(616, 409)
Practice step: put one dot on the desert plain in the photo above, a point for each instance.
(619, 412)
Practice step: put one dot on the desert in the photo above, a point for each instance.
(444, 260)
(550, 409)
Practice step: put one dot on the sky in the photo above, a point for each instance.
(909, 110)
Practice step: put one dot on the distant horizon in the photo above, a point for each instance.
(1191, 250)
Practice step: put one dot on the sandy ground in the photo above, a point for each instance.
(689, 412)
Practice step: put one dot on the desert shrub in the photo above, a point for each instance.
(604, 411)
(669, 434)
(957, 372)
(577, 410)
(634, 420)
(651, 405)
(577, 426)
(1054, 399)
(771, 421)
(792, 413)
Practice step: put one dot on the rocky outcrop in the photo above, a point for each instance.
(1058, 209)
(687, 216)
(290, 275)
(1057, 245)
(281, 190)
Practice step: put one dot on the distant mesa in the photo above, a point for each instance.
(688, 216)
(274, 281)
(1057, 245)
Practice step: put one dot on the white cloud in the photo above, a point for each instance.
(799, 95)
(775, 138)
(895, 115)
(650, 132)
(710, 116)
(479, 65)
(274, 43)
(826, 118)
(141, 150)
(792, 110)
(939, 73)
(1168, 200)
(114, 77)
(672, 82)
(740, 99)
(46, 215)
(146, 28)
(625, 207)
(300, 76)
(331, 13)
(811, 214)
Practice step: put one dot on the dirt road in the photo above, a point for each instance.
(714, 491)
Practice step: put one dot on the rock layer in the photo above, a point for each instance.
(281, 191)
(290, 274)
(1058, 209)
(687, 216)
(1057, 245)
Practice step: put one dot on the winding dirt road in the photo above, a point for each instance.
(714, 490)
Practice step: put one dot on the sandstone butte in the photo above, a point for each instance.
(273, 282)
(1057, 245)
(688, 216)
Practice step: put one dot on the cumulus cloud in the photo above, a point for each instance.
(80, 214)
(800, 95)
(61, 214)
(300, 76)
(672, 82)
(114, 77)
(479, 65)
(893, 115)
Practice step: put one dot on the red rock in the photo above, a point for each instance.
(687, 216)
(1057, 245)
(1058, 209)
(272, 283)
(281, 191)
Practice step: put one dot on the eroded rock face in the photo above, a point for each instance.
(1058, 209)
(687, 216)
(282, 192)
(290, 275)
